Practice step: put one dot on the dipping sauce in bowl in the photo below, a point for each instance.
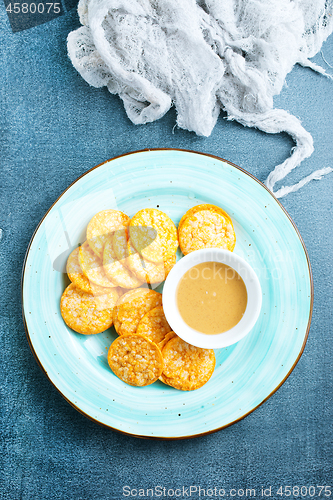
(212, 298)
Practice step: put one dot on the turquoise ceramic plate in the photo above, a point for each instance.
(246, 373)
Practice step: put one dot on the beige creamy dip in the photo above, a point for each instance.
(211, 297)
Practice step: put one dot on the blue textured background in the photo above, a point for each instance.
(54, 127)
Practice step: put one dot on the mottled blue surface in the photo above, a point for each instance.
(53, 128)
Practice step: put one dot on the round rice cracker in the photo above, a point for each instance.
(102, 225)
(132, 306)
(144, 270)
(86, 313)
(116, 271)
(154, 325)
(135, 360)
(186, 367)
(77, 277)
(92, 267)
(206, 229)
(153, 234)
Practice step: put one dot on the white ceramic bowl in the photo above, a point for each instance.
(254, 298)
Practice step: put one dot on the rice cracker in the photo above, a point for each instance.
(86, 313)
(206, 226)
(186, 367)
(153, 234)
(135, 360)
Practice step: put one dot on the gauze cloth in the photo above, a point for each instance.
(203, 56)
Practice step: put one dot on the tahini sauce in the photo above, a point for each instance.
(211, 297)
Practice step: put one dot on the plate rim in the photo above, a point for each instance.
(168, 438)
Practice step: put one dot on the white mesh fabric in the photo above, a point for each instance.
(203, 56)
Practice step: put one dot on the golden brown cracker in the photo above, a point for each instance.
(103, 224)
(92, 267)
(132, 306)
(206, 229)
(115, 270)
(154, 325)
(186, 367)
(135, 360)
(153, 234)
(86, 313)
